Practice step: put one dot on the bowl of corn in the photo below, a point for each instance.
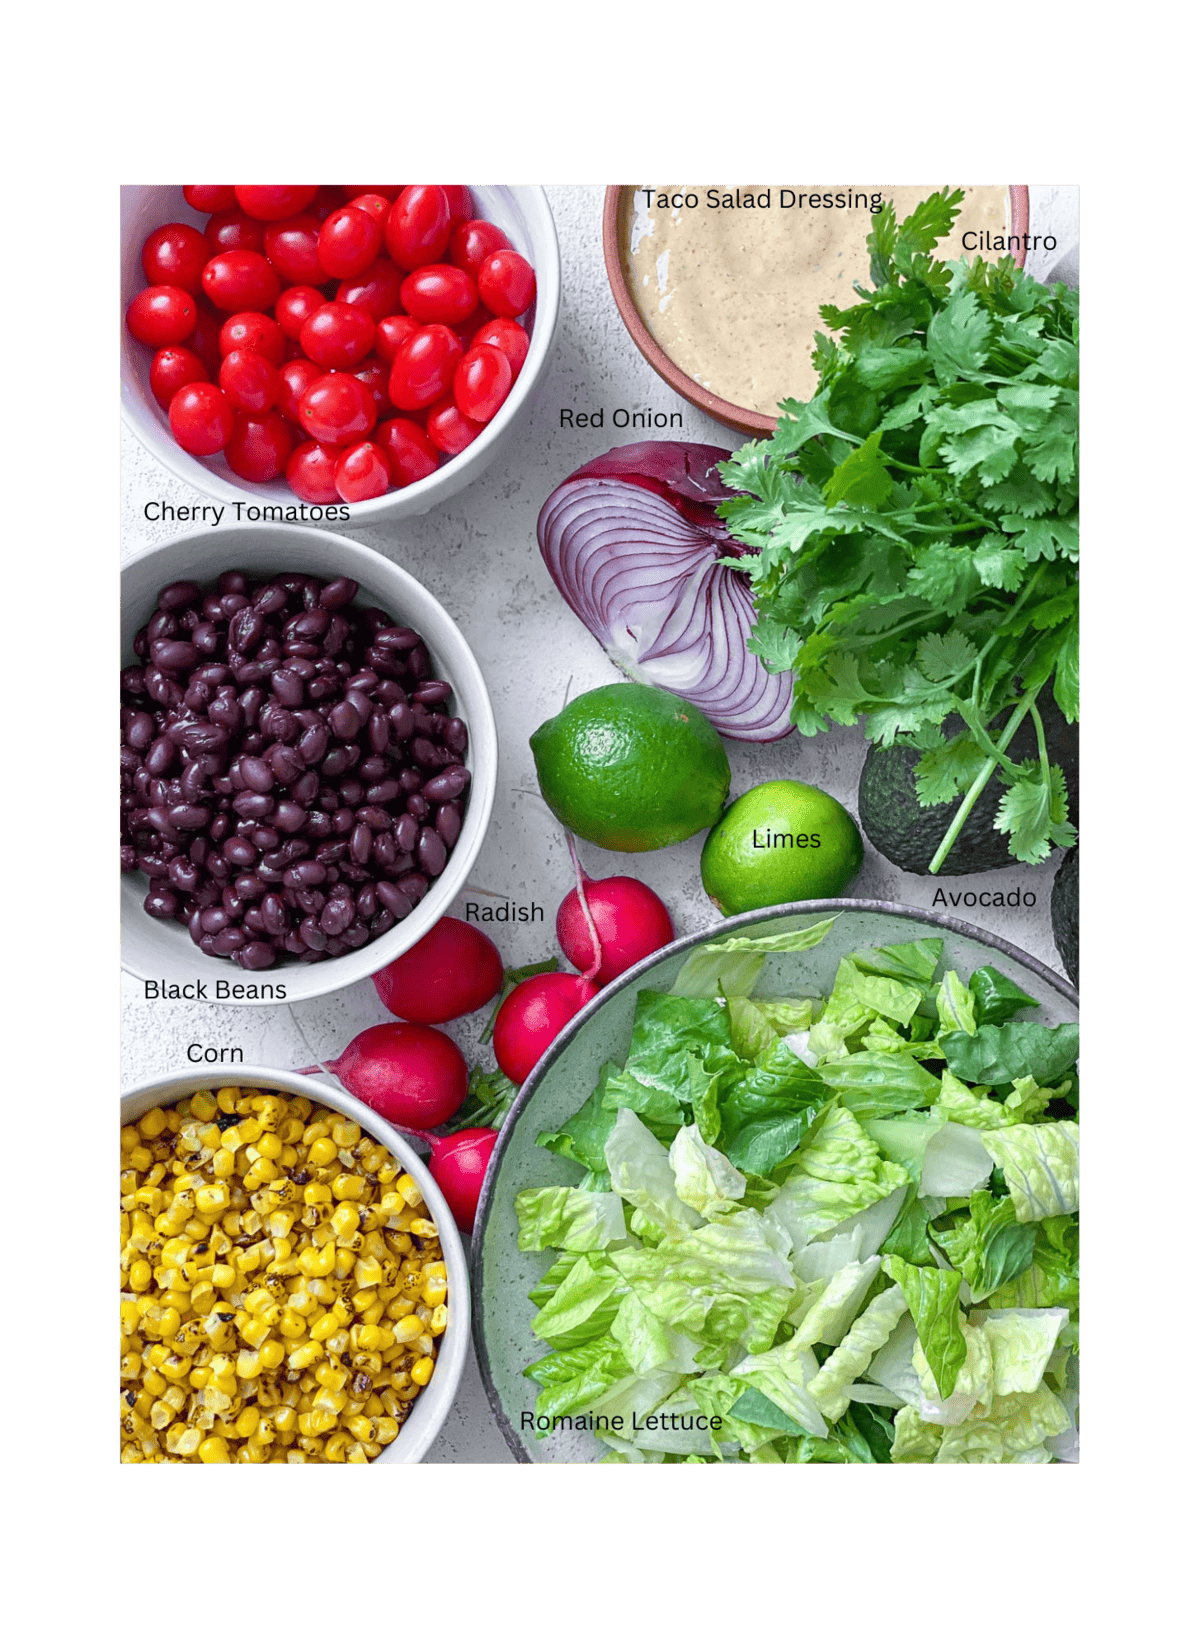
(293, 1287)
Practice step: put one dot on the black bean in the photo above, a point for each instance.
(212, 921)
(206, 638)
(257, 955)
(140, 733)
(128, 856)
(257, 774)
(133, 681)
(246, 630)
(264, 838)
(360, 844)
(384, 851)
(431, 692)
(345, 719)
(415, 886)
(181, 594)
(393, 900)
(329, 853)
(162, 627)
(249, 886)
(274, 914)
(340, 592)
(189, 817)
(407, 832)
(272, 598)
(454, 735)
(376, 817)
(308, 873)
(446, 785)
(401, 718)
(416, 805)
(424, 753)
(448, 823)
(162, 905)
(367, 903)
(313, 743)
(396, 636)
(286, 765)
(288, 688)
(351, 792)
(378, 729)
(251, 804)
(431, 852)
(231, 903)
(337, 916)
(289, 817)
(374, 768)
(240, 852)
(306, 789)
(338, 761)
(310, 900)
(343, 821)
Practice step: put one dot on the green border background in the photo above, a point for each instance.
(829, 91)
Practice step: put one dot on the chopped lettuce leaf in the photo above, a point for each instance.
(705, 1179)
(641, 1173)
(831, 1384)
(837, 1175)
(558, 1216)
(583, 1305)
(955, 1006)
(1040, 1163)
(730, 967)
(932, 1296)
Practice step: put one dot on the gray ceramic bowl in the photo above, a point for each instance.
(501, 1276)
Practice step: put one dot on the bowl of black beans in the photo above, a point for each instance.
(308, 762)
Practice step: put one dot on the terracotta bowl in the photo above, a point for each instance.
(744, 419)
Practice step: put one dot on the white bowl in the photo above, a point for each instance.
(431, 1408)
(523, 212)
(155, 949)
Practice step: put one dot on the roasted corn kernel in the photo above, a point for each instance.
(268, 1315)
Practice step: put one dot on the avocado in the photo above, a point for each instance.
(1064, 913)
(908, 834)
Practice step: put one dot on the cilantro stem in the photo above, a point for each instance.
(981, 778)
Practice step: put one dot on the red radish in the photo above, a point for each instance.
(458, 1164)
(411, 1074)
(532, 1015)
(453, 970)
(630, 921)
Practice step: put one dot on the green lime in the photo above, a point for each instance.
(631, 767)
(779, 842)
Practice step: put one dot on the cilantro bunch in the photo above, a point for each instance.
(917, 523)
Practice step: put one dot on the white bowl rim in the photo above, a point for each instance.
(534, 205)
(483, 786)
(452, 1354)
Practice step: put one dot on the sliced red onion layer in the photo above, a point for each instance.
(632, 541)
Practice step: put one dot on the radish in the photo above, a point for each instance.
(628, 922)
(411, 1074)
(532, 1015)
(453, 970)
(458, 1163)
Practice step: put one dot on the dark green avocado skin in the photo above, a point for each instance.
(1064, 913)
(908, 834)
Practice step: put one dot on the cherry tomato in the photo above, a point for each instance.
(411, 455)
(259, 446)
(472, 243)
(391, 332)
(201, 419)
(377, 289)
(374, 373)
(270, 202)
(251, 330)
(439, 292)
(465, 330)
(337, 335)
(250, 381)
(506, 336)
(375, 206)
(233, 232)
(327, 199)
(389, 191)
(418, 225)
(506, 283)
(175, 255)
(173, 367)
(241, 280)
(458, 199)
(295, 306)
(209, 197)
(206, 339)
(337, 409)
(294, 378)
(448, 429)
(349, 242)
(423, 367)
(362, 472)
(481, 383)
(162, 315)
(310, 472)
(292, 249)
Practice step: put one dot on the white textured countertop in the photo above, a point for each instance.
(478, 555)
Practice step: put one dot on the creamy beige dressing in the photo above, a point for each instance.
(733, 294)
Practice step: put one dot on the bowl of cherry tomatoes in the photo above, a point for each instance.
(333, 352)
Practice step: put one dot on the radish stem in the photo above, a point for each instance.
(580, 881)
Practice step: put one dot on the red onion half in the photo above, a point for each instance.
(632, 541)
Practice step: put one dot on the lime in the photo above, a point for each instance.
(631, 767)
(779, 842)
